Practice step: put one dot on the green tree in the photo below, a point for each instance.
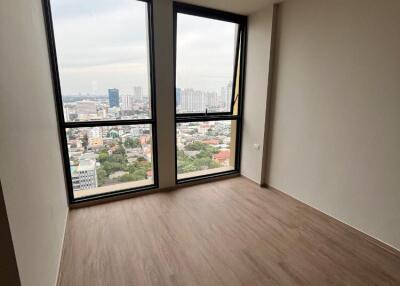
(137, 175)
(120, 150)
(119, 158)
(193, 131)
(195, 146)
(113, 134)
(70, 134)
(101, 176)
(203, 160)
(111, 167)
(141, 159)
(210, 132)
(103, 156)
(140, 174)
(132, 143)
(126, 178)
(85, 141)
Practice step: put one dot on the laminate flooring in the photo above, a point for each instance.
(229, 232)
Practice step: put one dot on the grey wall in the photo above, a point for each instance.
(8, 264)
(255, 101)
(336, 128)
(163, 48)
(30, 165)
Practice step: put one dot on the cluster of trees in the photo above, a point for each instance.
(132, 143)
(201, 161)
(118, 161)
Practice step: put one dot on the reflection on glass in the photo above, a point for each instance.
(204, 64)
(205, 147)
(102, 53)
(109, 158)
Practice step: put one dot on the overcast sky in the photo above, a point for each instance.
(102, 44)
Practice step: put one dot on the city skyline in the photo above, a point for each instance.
(112, 50)
(104, 157)
(188, 100)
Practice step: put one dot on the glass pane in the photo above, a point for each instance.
(109, 158)
(205, 59)
(205, 148)
(103, 56)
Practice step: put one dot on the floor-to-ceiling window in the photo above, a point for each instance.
(103, 74)
(209, 67)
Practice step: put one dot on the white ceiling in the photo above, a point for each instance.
(244, 7)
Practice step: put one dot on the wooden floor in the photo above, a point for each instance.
(229, 232)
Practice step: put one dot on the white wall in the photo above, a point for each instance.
(336, 128)
(258, 46)
(30, 165)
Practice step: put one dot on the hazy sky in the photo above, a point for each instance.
(205, 52)
(102, 44)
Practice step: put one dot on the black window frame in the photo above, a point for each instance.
(63, 125)
(241, 45)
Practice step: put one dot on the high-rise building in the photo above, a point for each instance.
(137, 92)
(67, 113)
(186, 99)
(228, 95)
(84, 176)
(197, 102)
(134, 131)
(95, 132)
(113, 97)
(75, 178)
(210, 101)
(178, 96)
(126, 102)
(192, 100)
(222, 98)
(95, 137)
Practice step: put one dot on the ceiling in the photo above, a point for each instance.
(244, 7)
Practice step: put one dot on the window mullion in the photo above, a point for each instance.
(107, 123)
